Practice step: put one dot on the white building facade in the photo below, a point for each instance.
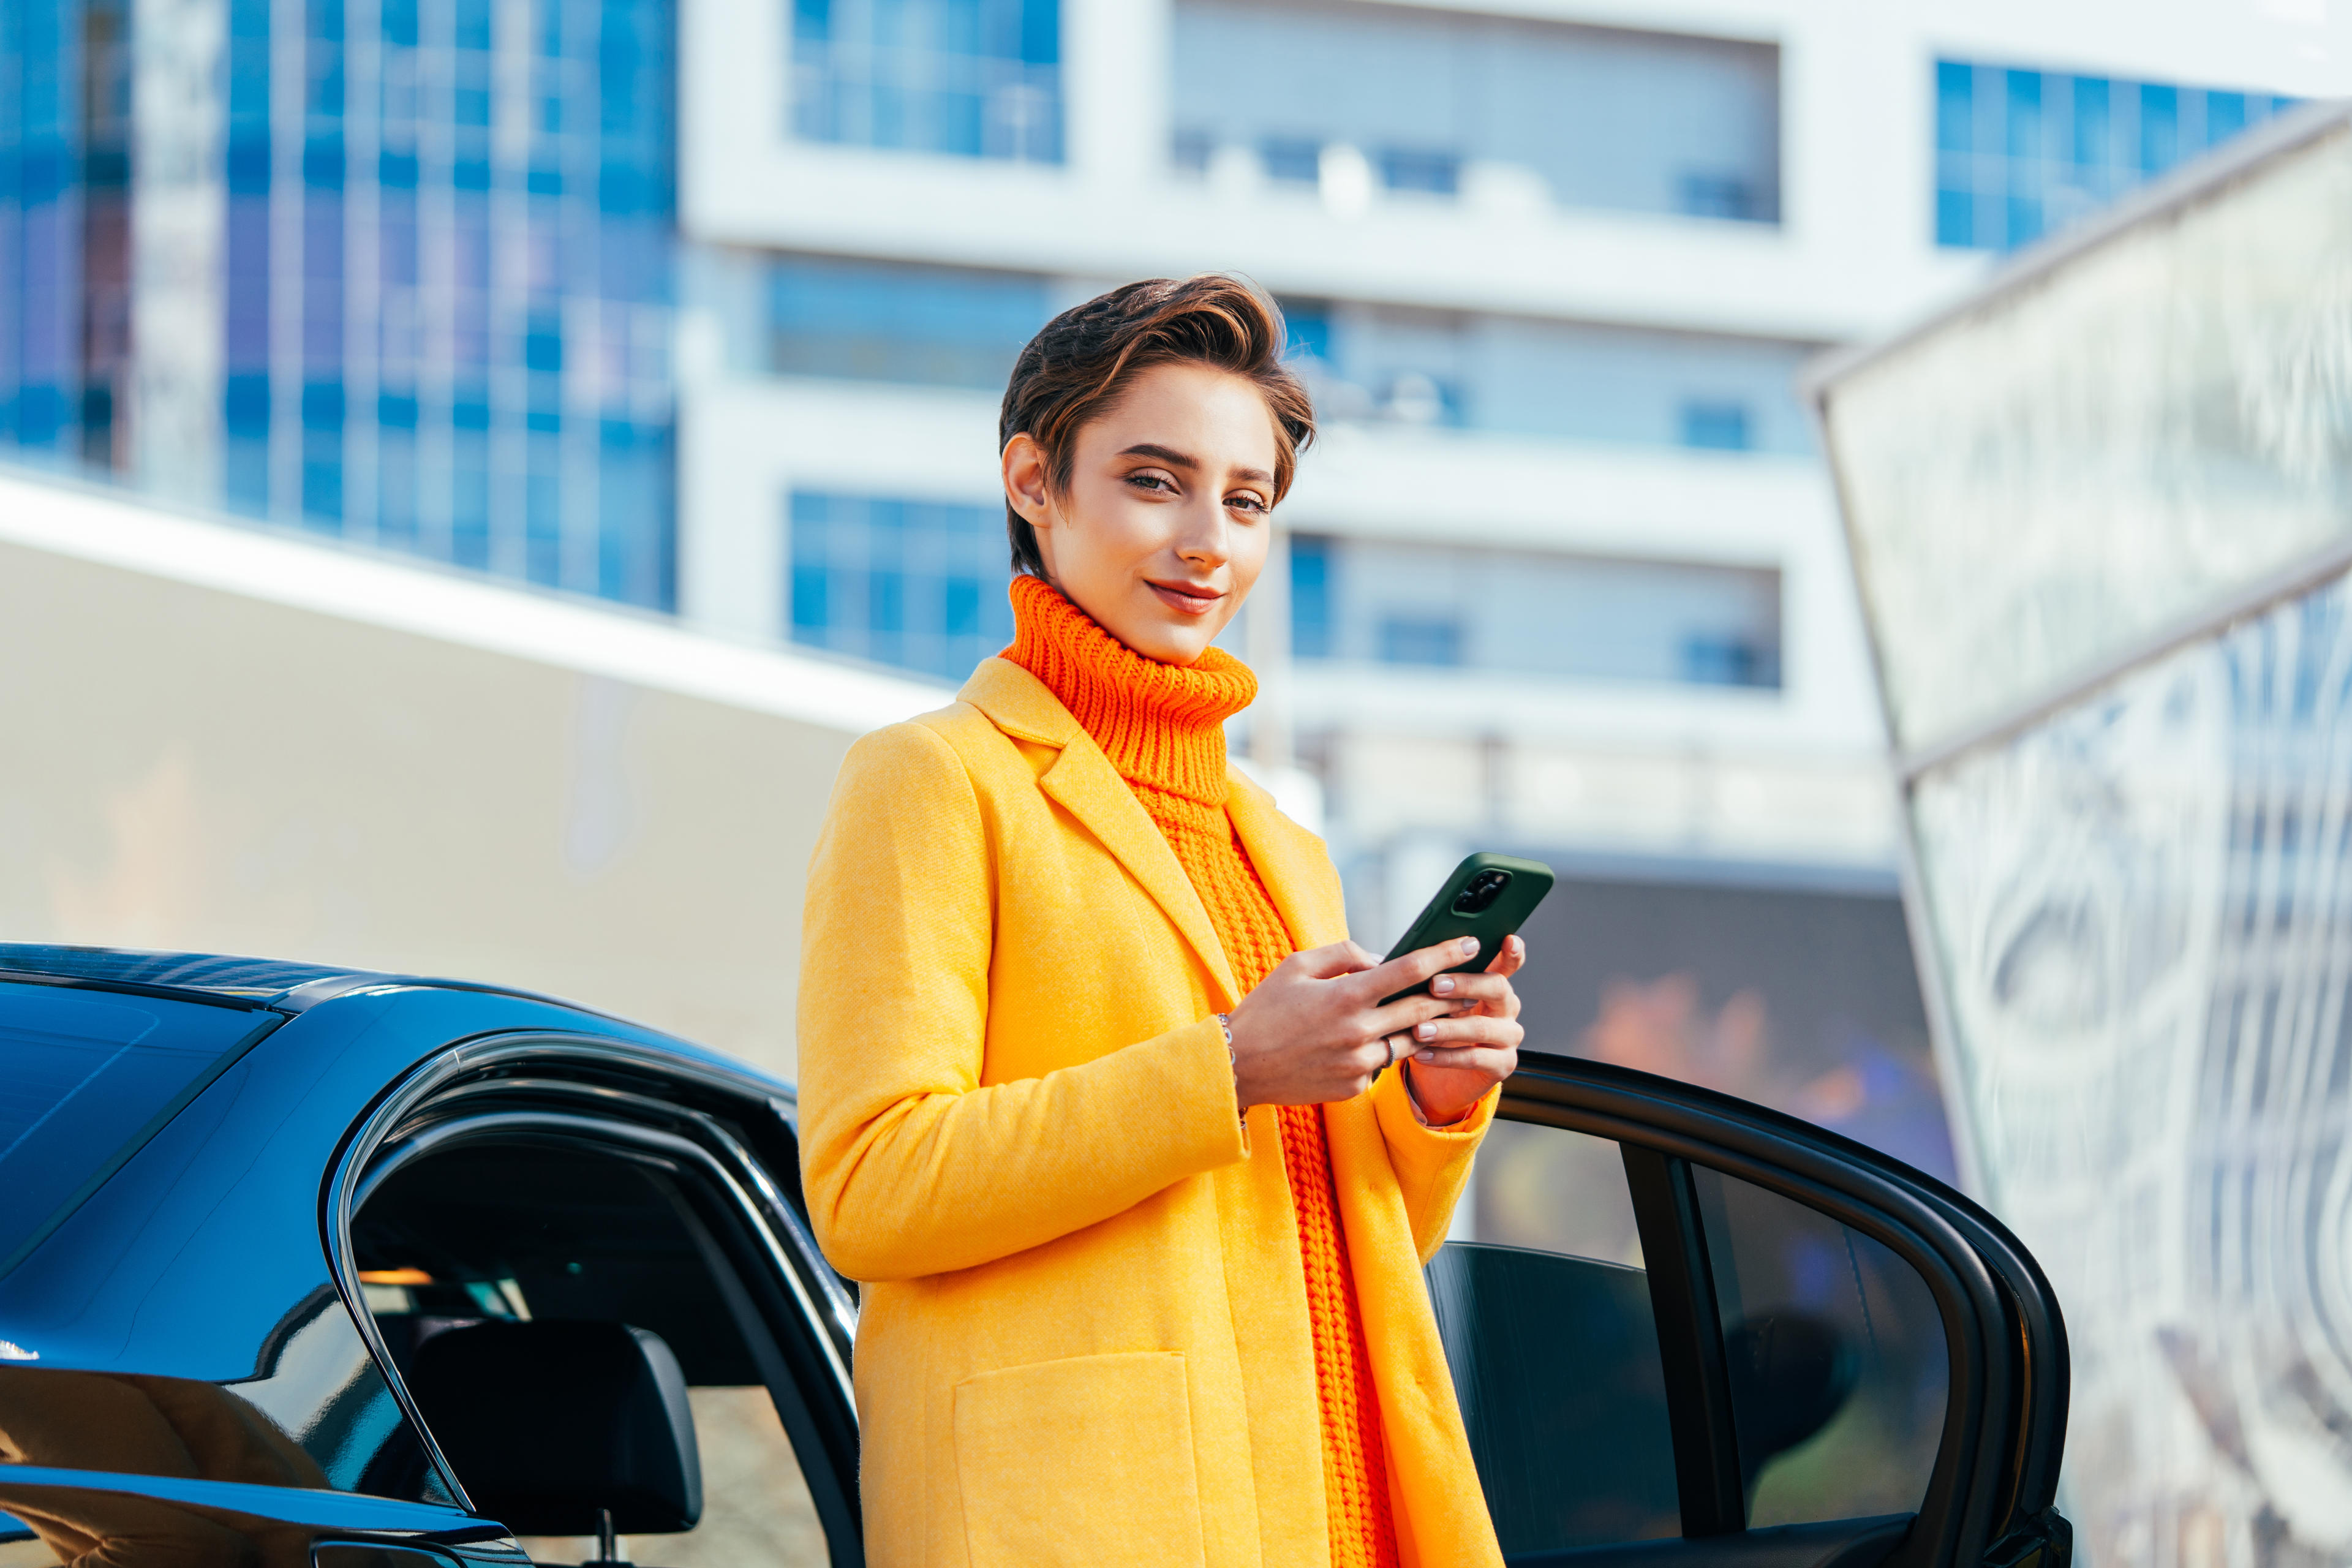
(1564, 570)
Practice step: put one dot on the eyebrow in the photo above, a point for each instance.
(1176, 460)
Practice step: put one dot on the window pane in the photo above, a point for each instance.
(867, 320)
(1600, 117)
(975, 79)
(919, 584)
(1536, 613)
(2042, 149)
(1572, 1449)
(88, 1079)
(488, 1233)
(1836, 1354)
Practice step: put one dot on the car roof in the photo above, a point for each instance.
(256, 982)
(283, 985)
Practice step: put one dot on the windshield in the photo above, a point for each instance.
(84, 1079)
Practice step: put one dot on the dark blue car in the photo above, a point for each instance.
(310, 1267)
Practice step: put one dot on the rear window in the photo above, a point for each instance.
(86, 1078)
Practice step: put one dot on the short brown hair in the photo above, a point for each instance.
(1086, 357)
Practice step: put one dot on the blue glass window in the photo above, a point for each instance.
(1293, 160)
(1309, 324)
(1421, 639)
(2094, 146)
(1955, 107)
(1708, 193)
(1545, 614)
(975, 79)
(2225, 115)
(882, 322)
(454, 476)
(2021, 152)
(64, 225)
(1414, 169)
(1716, 423)
(90, 1078)
(915, 584)
(1310, 596)
(1597, 116)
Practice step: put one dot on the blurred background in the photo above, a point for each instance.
(469, 467)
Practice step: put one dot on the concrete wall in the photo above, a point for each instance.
(219, 740)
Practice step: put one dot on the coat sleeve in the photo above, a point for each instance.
(1432, 1163)
(910, 1166)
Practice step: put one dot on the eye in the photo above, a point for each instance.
(1246, 501)
(1152, 482)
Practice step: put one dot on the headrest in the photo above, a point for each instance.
(546, 1422)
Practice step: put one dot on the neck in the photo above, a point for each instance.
(1162, 725)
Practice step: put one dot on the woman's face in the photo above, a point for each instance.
(1163, 530)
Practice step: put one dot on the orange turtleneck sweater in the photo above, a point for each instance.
(1162, 727)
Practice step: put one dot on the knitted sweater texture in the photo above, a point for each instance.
(1162, 727)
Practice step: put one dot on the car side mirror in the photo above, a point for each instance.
(563, 1429)
(1791, 1372)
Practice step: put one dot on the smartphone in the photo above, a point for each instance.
(1488, 897)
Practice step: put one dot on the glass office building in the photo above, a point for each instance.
(2128, 762)
(396, 271)
(2020, 152)
(65, 159)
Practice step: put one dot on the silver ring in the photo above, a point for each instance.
(1394, 1054)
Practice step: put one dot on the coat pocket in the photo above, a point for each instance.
(1086, 1462)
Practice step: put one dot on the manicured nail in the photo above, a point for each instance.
(1424, 1055)
(1427, 1031)
(1470, 945)
(1443, 986)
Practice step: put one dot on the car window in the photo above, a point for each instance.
(1836, 1356)
(1572, 1449)
(543, 1232)
(88, 1077)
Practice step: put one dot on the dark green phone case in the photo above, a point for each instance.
(1441, 922)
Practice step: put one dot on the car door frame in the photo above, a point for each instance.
(1990, 1495)
(590, 1089)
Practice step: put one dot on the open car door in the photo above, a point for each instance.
(1693, 1332)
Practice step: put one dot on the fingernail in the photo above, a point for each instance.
(1424, 1055)
(1443, 986)
(1427, 1031)
(1470, 945)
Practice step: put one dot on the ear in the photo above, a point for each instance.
(1024, 480)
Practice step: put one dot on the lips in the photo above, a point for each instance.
(1186, 599)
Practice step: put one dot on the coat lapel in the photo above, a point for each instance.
(1292, 862)
(1084, 783)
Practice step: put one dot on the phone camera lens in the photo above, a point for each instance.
(1480, 895)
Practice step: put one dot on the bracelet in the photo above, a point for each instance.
(1225, 1021)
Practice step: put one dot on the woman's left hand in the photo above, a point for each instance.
(1454, 1060)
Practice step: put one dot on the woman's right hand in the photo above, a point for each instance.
(1313, 1031)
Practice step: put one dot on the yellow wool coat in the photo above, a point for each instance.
(1084, 1335)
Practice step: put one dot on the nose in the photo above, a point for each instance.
(1204, 533)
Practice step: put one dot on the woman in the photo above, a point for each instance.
(1097, 1100)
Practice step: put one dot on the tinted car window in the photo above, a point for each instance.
(1545, 1312)
(1836, 1356)
(84, 1079)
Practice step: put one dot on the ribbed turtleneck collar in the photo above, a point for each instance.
(1162, 725)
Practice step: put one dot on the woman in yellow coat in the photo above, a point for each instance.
(1098, 1103)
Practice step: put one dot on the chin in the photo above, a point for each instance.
(1156, 634)
(1173, 645)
